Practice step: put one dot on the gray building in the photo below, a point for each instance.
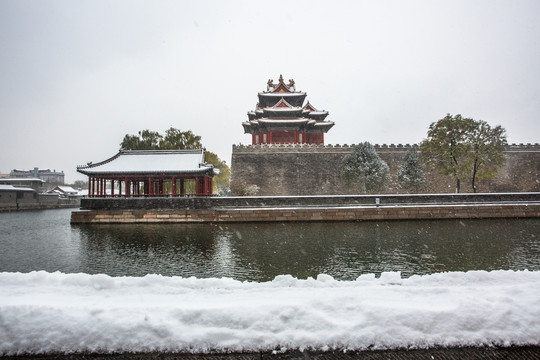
(50, 177)
(17, 197)
(34, 183)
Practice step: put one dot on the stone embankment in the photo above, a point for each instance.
(308, 208)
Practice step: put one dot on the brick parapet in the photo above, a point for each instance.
(261, 202)
(356, 213)
(347, 148)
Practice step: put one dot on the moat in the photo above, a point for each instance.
(45, 240)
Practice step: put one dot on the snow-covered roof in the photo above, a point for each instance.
(66, 189)
(283, 94)
(283, 109)
(151, 162)
(14, 188)
(284, 121)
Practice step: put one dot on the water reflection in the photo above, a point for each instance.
(343, 250)
(45, 241)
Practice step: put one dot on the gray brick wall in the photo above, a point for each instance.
(315, 170)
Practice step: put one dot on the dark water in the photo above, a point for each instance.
(44, 240)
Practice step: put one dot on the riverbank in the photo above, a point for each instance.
(344, 213)
(38, 207)
(307, 208)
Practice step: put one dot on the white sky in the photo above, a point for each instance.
(79, 75)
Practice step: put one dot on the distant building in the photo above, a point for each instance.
(30, 182)
(16, 197)
(50, 177)
(66, 192)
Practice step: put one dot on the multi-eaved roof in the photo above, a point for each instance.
(282, 107)
(152, 162)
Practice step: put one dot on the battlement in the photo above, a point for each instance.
(347, 148)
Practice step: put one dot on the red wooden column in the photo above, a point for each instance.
(127, 185)
(150, 187)
(173, 186)
(112, 187)
(210, 186)
(120, 187)
(197, 186)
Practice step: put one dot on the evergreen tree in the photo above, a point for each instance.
(411, 171)
(364, 167)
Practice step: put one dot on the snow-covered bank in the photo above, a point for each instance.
(44, 312)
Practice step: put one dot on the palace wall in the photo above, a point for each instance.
(299, 169)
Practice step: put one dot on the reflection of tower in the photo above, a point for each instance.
(281, 118)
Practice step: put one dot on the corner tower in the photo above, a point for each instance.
(280, 117)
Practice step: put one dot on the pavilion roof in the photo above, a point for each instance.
(294, 122)
(280, 87)
(310, 107)
(151, 162)
(283, 105)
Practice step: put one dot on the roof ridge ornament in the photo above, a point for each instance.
(291, 84)
(270, 85)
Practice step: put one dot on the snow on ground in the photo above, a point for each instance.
(44, 312)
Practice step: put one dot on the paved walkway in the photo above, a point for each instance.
(523, 352)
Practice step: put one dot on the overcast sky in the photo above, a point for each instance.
(79, 75)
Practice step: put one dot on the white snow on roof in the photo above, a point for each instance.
(90, 313)
(150, 161)
(324, 123)
(284, 121)
(66, 189)
(283, 94)
(283, 109)
(14, 188)
(21, 179)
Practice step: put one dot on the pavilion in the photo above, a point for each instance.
(150, 173)
(280, 117)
